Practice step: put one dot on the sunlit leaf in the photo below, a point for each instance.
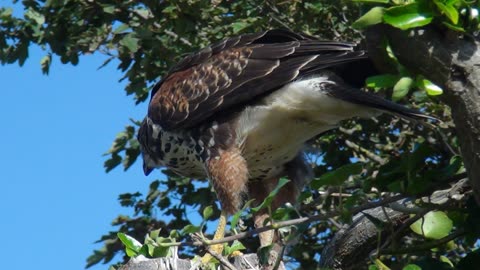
(402, 87)
(380, 265)
(207, 212)
(408, 16)
(190, 229)
(412, 267)
(430, 88)
(132, 246)
(372, 17)
(383, 81)
(434, 225)
(448, 9)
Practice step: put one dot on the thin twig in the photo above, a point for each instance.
(286, 223)
(221, 259)
(368, 153)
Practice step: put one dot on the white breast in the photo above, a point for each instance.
(288, 118)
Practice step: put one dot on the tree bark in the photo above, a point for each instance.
(244, 262)
(355, 242)
(453, 63)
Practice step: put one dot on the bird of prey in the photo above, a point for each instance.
(240, 112)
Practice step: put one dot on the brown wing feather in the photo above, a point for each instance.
(235, 71)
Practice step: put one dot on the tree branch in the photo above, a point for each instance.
(450, 61)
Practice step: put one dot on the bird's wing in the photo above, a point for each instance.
(235, 71)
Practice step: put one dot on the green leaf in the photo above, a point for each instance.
(268, 200)
(35, 16)
(207, 212)
(263, 254)
(408, 16)
(382, 81)
(5, 12)
(190, 229)
(402, 87)
(430, 88)
(372, 17)
(338, 176)
(434, 225)
(45, 63)
(154, 234)
(132, 246)
(446, 260)
(121, 28)
(236, 245)
(380, 265)
(448, 9)
(130, 42)
(110, 9)
(239, 26)
(236, 216)
(412, 267)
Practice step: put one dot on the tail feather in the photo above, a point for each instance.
(344, 92)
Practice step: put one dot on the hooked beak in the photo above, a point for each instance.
(146, 170)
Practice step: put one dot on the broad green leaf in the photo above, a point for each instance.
(430, 88)
(162, 251)
(268, 200)
(382, 81)
(190, 229)
(408, 16)
(402, 87)
(412, 267)
(154, 234)
(236, 245)
(207, 212)
(338, 176)
(132, 246)
(449, 10)
(434, 225)
(239, 26)
(372, 17)
(130, 42)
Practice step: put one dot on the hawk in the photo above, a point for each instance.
(239, 112)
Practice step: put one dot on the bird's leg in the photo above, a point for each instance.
(219, 234)
(228, 172)
(287, 193)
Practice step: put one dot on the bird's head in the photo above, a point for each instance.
(147, 147)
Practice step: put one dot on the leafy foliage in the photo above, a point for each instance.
(364, 161)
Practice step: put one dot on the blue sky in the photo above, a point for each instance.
(56, 197)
